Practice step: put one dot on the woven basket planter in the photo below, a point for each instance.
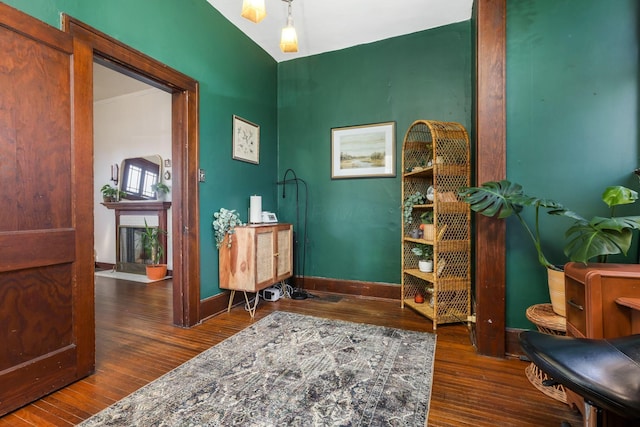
(428, 232)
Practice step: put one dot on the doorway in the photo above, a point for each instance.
(131, 127)
(184, 156)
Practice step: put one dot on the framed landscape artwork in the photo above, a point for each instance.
(246, 140)
(363, 151)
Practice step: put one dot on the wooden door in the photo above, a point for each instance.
(47, 331)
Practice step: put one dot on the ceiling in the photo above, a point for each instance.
(322, 26)
(108, 83)
(328, 25)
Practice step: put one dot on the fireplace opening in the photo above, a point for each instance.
(133, 257)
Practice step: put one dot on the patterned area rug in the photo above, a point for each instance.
(292, 370)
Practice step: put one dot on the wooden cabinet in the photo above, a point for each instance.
(591, 292)
(259, 256)
(435, 160)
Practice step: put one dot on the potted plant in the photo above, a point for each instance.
(110, 194)
(425, 257)
(588, 238)
(224, 224)
(600, 237)
(427, 227)
(155, 251)
(416, 198)
(161, 190)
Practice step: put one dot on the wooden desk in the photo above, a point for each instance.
(591, 293)
(601, 301)
(634, 305)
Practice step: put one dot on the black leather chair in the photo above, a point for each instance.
(605, 372)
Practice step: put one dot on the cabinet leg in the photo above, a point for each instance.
(233, 294)
(252, 310)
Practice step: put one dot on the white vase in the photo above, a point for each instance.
(426, 266)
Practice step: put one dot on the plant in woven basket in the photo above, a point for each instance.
(224, 224)
(427, 226)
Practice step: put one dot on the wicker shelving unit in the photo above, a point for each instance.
(437, 154)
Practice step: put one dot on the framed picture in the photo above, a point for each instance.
(364, 151)
(246, 140)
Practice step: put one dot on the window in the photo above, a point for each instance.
(139, 177)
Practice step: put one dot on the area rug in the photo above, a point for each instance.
(141, 278)
(292, 370)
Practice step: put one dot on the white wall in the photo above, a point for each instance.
(133, 125)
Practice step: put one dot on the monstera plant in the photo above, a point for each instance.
(600, 237)
(597, 237)
(502, 199)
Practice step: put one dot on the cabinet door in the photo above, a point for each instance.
(266, 248)
(237, 263)
(284, 258)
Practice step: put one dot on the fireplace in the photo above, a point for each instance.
(130, 217)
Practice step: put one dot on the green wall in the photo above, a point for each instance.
(572, 121)
(353, 225)
(236, 77)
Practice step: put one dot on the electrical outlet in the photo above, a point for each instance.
(201, 175)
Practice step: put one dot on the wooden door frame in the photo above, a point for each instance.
(490, 164)
(491, 148)
(184, 152)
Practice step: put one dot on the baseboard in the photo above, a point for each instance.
(512, 345)
(350, 287)
(217, 304)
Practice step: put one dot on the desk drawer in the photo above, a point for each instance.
(576, 305)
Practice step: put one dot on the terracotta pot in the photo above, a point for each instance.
(419, 299)
(156, 271)
(555, 280)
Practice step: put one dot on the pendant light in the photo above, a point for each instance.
(289, 38)
(253, 10)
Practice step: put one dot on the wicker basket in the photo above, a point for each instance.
(548, 322)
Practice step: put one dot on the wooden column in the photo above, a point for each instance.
(490, 165)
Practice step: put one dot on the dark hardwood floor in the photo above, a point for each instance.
(136, 343)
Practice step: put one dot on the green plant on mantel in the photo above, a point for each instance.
(224, 224)
(160, 188)
(111, 194)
